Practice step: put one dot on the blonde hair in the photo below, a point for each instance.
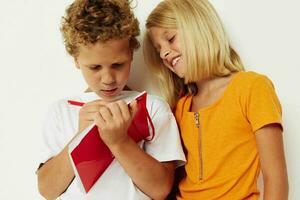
(204, 44)
(89, 21)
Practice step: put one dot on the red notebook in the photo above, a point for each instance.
(90, 155)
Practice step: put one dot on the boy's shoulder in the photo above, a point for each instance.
(62, 104)
(155, 103)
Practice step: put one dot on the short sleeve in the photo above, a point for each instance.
(179, 109)
(166, 144)
(51, 132)
(263, 106)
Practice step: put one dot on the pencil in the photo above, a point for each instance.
(75, 103)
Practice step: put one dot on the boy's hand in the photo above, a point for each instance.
(87, 113)
(113, 121)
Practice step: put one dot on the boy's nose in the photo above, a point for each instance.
(108, 80)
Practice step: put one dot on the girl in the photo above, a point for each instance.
(230, 120)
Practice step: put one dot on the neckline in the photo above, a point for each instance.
(227, 89)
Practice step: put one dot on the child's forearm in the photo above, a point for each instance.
(55, 175)
(271, 151)
(276, 189)
(152, 177)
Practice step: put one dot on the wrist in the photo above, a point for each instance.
(119, 146)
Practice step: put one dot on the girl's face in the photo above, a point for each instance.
(167, 44)
(105, 66)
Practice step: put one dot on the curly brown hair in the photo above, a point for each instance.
(89, 21)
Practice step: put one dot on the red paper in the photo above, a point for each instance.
(91, 157)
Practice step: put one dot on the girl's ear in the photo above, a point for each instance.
(76, 63)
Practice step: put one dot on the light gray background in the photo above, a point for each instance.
(35, 71)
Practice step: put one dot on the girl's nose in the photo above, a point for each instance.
(164, 53)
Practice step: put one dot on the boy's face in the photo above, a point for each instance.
(105, 66)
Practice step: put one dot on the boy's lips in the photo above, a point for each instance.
(109, 92)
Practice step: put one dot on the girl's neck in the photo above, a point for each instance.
(209, 91)
(212, 84)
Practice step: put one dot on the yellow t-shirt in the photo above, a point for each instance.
(222, 157)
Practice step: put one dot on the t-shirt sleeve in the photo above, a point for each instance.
(166, 144)
(179, 109)
(51, 132)
(263, 106)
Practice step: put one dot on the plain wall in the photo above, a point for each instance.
(36, 70)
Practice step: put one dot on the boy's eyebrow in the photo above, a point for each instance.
(87, 65)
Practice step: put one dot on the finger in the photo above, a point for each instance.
(92, 107)
(115, 110)
(98, 119)
(125, 111)
(133, 108)
(87, 108)
(90, 116)
(100, 102)
(106, 113)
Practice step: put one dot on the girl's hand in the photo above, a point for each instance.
(87, 113)
(113, 121)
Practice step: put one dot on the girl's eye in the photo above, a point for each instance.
(172, 38)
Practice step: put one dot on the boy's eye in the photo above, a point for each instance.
(117, 65)
(95, 67)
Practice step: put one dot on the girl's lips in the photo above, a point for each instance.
(175, 61)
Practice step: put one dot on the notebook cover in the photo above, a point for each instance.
(91, 156)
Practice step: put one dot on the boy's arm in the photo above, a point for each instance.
(273, 165)
(151, 176)
(55, 175)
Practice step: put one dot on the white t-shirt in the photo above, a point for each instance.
(61, 124)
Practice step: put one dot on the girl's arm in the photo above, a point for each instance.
(270, 147)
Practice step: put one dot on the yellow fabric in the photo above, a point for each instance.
(222, 157)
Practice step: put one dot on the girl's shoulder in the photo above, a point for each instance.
(246, 81)
(249, 77)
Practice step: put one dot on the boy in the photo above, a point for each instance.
(101, 36)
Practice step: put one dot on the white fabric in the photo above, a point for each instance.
(61, 125)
